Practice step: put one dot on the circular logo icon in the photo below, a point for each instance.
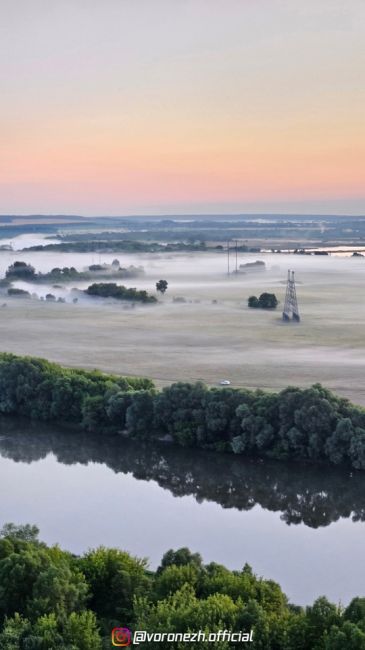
(121, 636)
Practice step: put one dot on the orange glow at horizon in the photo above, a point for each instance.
(264, 104)
(254, 165)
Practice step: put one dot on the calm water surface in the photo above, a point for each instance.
(301, 526)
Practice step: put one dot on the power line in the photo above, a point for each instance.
(291, 311)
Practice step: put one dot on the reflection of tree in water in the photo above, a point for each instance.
(315, 496)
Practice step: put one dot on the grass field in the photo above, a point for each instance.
(210, 341)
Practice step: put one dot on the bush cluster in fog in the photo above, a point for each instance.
(119, 292)
(265, 301)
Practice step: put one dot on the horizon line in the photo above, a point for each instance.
(182, 215)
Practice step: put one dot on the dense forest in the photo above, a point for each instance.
(311, 424)
(50, 598)
(53, 600)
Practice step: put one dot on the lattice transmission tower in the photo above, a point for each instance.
(291, 311)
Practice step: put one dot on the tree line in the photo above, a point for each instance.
(26, 272)
(310, 424)
(119, 292)
(51, 599)
(118, 246)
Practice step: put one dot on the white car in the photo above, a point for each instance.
(225, 382)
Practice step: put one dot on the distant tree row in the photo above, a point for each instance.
(119, 292)
(19, 293)
(51, 599)
(26, 272)
(300, 424)
(118, 246)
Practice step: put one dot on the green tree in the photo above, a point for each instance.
(268, 301)
(81, 631)
(161, 286)
(140, 413)
(94, 415)
(174, 578)
(25, 532)
(184, 612)
(58, 588)
(253, 302)
(116, 408)
(179, 410)
(115, 579)
(20, 271)
(355, 612)
(321, 616)
(45, 634)
(357, 448)
(182, 557)
(337, 444)
(347, 637)
(35, 580)
(14, 632)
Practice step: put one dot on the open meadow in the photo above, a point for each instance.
(211, 336)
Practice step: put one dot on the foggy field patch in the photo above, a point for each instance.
(199, 339)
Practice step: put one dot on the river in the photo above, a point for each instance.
(298, 525)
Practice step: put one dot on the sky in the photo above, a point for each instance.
(119, 107)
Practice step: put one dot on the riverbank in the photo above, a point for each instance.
(311, 425)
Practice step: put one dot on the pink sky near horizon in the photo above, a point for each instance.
(126, 107)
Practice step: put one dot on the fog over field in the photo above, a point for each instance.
(213, 335)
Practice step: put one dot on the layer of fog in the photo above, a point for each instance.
(185, 268)
(212, 335)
